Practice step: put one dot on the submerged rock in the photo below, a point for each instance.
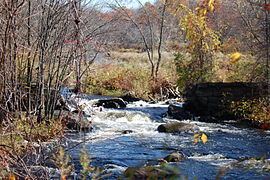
(111, 103)
(260, 165)
(126, 132)
(176, 127)
(175, 157)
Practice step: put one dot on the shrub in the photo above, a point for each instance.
(116, 80)
(222, 69)
(189, 71)
(27, 129)
(20, 140)
(88, 171)
(257, 109)
(62, 162)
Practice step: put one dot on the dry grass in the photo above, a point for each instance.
(26, 129)
(21, 141)
(139, 58)
(130, 72)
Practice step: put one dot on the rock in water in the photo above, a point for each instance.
(111, 103)
(175, 157)
(127, 132)
(130, 98)
(178, 112)
(176, 127)
(164, 171)
(76, 122)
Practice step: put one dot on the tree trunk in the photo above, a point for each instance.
(161, 37)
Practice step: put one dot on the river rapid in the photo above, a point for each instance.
(128, 137)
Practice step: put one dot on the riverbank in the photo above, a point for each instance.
(26, 146)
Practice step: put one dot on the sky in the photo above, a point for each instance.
(128, 3)
(135, 4)
(144, 1)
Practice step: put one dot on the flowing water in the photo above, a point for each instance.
(114, 150)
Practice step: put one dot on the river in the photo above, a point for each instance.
(114, 150)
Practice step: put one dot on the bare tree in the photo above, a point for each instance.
(256, 27)
(161, 35)
(43, 43)
(151, 39)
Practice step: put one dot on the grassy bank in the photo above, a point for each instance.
(23, 146)
(129, 72)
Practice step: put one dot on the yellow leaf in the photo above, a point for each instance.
(235, 57)
(12, 177)
(211, 8)
(196, 138)
(211, 5)
(197, 135)
(211, 2)
(204, 138)
(202, 12)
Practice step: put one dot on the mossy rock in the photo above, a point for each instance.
(164, 171)
(175, 157)
(176, 127)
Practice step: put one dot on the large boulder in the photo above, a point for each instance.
(75, 122)
(177, 111)
(176, 127)
(111, 103)
(78, 124)
(214, 99)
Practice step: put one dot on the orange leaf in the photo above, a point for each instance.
(12, 177)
